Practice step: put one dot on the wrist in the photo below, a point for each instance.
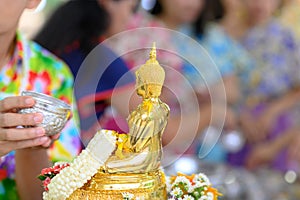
(273, 110)
(286, 102)
(35, 156)
(282, 141)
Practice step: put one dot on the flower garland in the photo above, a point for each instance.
(48, 173)
(62, 180)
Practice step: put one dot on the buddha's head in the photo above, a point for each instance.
(150, 77)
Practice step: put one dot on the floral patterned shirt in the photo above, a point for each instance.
(33, 68)
(277, 62)
(223, 56)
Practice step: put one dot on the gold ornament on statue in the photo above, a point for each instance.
(133, 169)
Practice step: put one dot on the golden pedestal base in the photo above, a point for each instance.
(105, 186)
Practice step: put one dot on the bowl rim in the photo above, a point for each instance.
(47, 99)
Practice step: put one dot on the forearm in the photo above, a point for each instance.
(232, 89)
(29, 163)
(185, 128)
(282, 141)
(285, 103)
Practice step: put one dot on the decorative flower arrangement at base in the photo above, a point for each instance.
(194, 187)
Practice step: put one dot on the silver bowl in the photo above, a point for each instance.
(55, 112)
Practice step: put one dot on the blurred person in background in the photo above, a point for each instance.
(24, 65)
(270, 117)
(190, 17)
(290, 16)
(195, 19)
(219, 30)
(82, 26)
(230, 15)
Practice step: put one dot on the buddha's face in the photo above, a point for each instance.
(154, 90)
(149, 90)
(148, 83)
(141, 91)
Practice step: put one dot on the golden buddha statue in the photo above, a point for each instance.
(133, 169)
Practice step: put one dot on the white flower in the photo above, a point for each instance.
(191, 189)
(60, 164)
(127, 196)
(171, 198)
(199, 185)
(176, 192)
(188, 197)
(196, 193)
(203, 198)
(181, 179)
(168, 183)
(184, 181)
(210, 196)
(202, 178)
(140, 198)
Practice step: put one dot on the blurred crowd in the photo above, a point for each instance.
(247, 75)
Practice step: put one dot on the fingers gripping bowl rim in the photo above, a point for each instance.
(55, 111)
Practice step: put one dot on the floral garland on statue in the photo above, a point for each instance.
(48, 173)
(61, 180)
